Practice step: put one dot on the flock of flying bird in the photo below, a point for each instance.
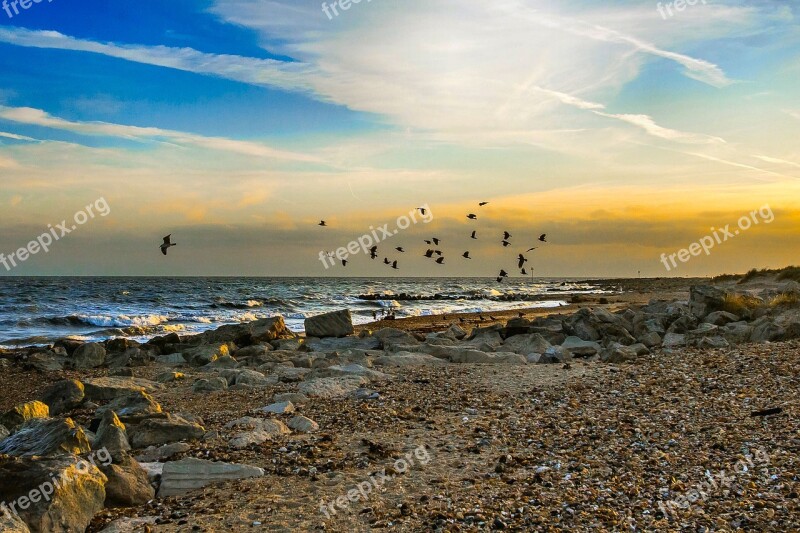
(433, 248)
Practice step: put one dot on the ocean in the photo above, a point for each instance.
(40, 310)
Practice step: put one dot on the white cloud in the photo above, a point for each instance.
(777, 161)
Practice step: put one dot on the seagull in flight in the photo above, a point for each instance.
(421, 210)
(501, 275)
(473, 236)
(543, 237)
(167, 244)
(373, 252)
(428, 254)
(522, 260)
(531, 249)
(440, 261)
(322, 223)
(472, 216)
(466, 255)
(482, 204)
(506, 243)
(506, 235)
(400, 249)
(394, 266)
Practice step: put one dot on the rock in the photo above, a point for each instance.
(334, 344)
(705, 329)
(46, 436)
(207, 353)
(303, 424)
(210, 385)
(348, 370)
(153, 454)
(335, 387)
(121, 372)
(402, 359)
(255, 350)
(130, 357)
(19, 415)
(180, 477)
(391, 337)
(582, 325)
(281, 408)
(294, 397)
(130, 525)
(526, 344)
(485, 340)
(291, 345)
(131, 407)
(47, 361)
(580, 348)
(89, 355)
(226, 361)
(154, 471)
(650, 339)
(128, 484)
(251, 378)
(4, 432)
(103, 389)
(333, 324)
(157, 431)
(169, 377)
(720, 318)
(737, 332)
(705, 299)
(80, 495)
(674, 340)
(259, 430)
(556, 354)
(289, 374)
(173, 359)
(112, 436)
(474, 356)
(63, 396)
(640, 349)
(11, 523)
(618, 353)
(713, 342)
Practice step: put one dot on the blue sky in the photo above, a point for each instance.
(238, 124)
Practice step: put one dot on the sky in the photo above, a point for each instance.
(625, 131)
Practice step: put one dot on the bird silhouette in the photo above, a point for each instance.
(523, 272)
(466, 255)
(373, 252)
(438, 252)
(474, 233)
(400, 249)
(394, 265)
(521, 261)
(501, 275)
(482, 204)
(472, 217)
(344, 262)
(506, 235)
(422, 210)
(440, 261)
(167, 244)
(543, 237)
(322, 223)
(435, 241)
(386, 261)
(531, 249)
(506, 243)
(428, 254)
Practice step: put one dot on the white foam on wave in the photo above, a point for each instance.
(121, 321)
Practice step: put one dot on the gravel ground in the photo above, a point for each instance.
(534, 448)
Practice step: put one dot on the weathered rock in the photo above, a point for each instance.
(4, 432)
(348, 370)
(618, 353)
(391, 337)
(46, 436)
(339, 344)
(173, 359)
(336, 387)
(22, 413)
(47, 361)
(251, 378)
(63, 396)
(289, 374)
(580, 348)
(720, 318)
(69, 509)
(169, 377)
(280, 408)
(128, 484)
(674, 340)
(112, 436)
(705, 299)
(89, 355)
(294, 397)
(103, 389)
(650, 339)
(526, 344)
(257, 431)
(226, 361)
(713, 342)
(474, 356)
(210, 385)
(555, 354)
(180, 477)
(204, 354)
(303, 424)
(132, 407)
(333, 324)
(157, 431)
(154, 454)
(252, 351)
(130, 525)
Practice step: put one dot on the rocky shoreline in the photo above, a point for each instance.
(599, 417)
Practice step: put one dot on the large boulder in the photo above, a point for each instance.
(63, 396)
(180, 477)
(108, 388)
(335, 387)
(262, 330)
(89, 355)
(255, 431)
(112, 436)
(210, 385)
(157, 431)
(526, 344)
(408, 359)
(205, 354)
(333, 324)
(61, 495)
(46, 436)
(22, 413)
(11, 523)
(127, 485)
(705, 299)
(579, 347)
(132, 407)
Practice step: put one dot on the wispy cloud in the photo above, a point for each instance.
(777, 161)
(38, 117)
